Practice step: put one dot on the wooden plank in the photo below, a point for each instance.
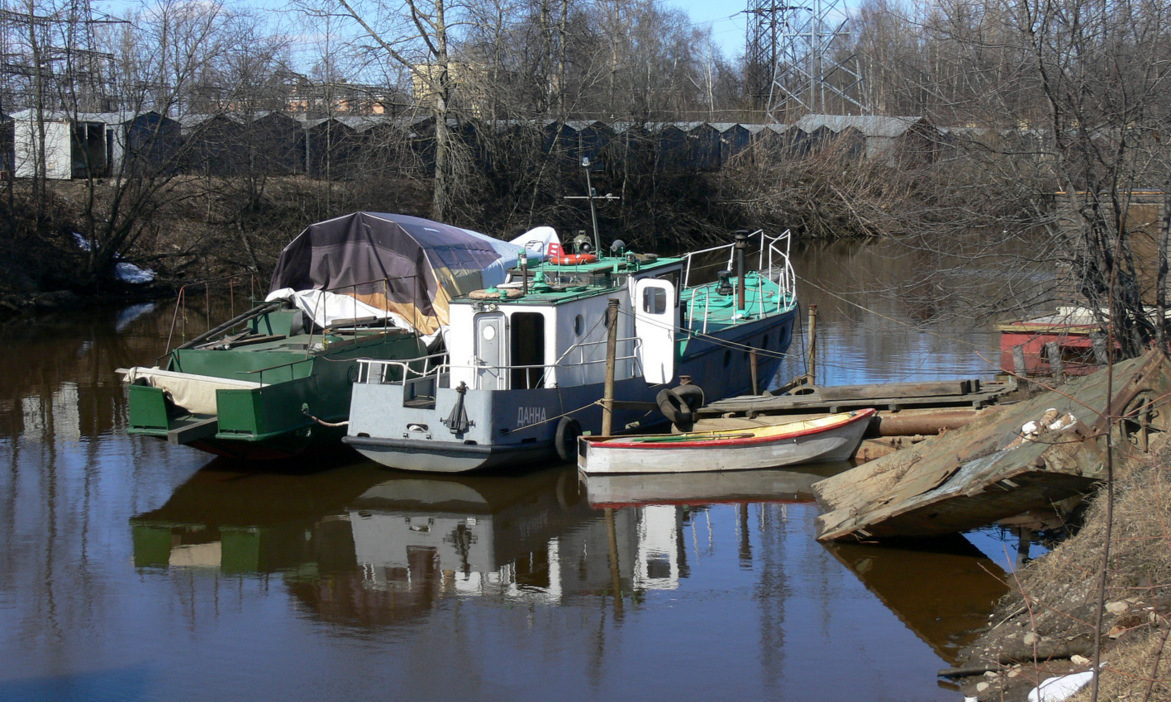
(973, 476)
(807, 403)
(900, 390)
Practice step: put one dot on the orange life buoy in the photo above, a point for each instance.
(572, 259)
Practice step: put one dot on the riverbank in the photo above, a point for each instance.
(1045, 626)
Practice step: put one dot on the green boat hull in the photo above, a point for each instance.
(303, 388)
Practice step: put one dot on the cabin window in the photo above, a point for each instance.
(654, 300)
(528, 350)
(671, 277)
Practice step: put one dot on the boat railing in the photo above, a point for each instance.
(377, 371)
(437, 368)
(233, 285)
(773, 250)
(780, 264)
(581, 363)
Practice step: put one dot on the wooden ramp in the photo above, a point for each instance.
(971, 477)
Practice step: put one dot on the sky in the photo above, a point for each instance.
(726, 19)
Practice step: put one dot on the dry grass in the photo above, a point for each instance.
(1137, 669)
(1056, 597)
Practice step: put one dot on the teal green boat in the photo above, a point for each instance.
(275, 381)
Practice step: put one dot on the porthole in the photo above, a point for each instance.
(579, 325)
(489, 332)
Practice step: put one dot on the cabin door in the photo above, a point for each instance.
(654, 326)
(490, 347)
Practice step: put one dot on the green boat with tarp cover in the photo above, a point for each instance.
(275, 381)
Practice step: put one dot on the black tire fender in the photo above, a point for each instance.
(565, 439)
(692, 395)
(675, 408)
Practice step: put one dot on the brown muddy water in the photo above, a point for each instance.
(135, 570)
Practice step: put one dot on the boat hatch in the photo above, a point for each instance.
(654, 325)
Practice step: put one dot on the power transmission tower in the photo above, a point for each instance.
(801, 59)
(49, 59)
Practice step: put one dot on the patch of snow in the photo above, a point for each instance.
(123, 270)
(1060, 688)
(130, 273)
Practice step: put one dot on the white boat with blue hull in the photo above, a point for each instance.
(525, 366)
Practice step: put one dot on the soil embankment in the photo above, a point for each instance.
(1046, 625)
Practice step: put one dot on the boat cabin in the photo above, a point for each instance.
(546, 326)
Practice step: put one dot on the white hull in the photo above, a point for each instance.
(837, 443)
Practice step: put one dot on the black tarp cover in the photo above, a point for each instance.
(406, 265)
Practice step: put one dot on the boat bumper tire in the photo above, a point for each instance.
(565, 440)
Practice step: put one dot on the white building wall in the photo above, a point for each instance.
(58, 149)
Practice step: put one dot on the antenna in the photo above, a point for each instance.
(591, 196)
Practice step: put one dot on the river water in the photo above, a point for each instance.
(131, 569)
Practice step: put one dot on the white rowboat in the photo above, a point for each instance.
(832, 438)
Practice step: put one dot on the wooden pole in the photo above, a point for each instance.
(611, 353)
(1018, 360)
(1056, 368)
(812, 363)
(615, 572)
(1099, 343)
(752, 368)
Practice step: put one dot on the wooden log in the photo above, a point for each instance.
(909, 423)
(752, 366)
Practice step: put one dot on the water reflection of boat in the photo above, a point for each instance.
(358, 547)
(775, 485)
(943, 589)
(248, 522)
(471, 532)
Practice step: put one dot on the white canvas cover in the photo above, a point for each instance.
(540, 241)
(326, 309)
(194, 393)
